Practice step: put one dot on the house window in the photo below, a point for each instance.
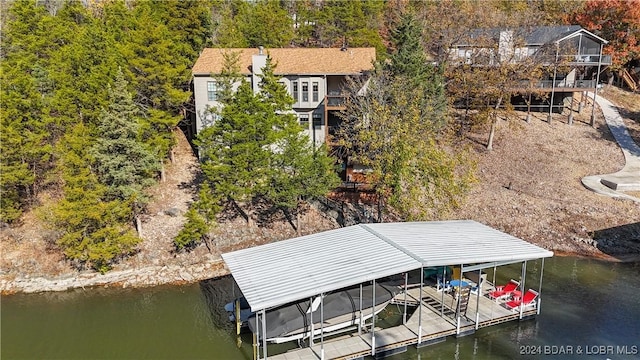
(315, 91)
(304, 121)
(294, 90)
(305, 91)
(212, 91)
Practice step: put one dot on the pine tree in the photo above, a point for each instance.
(298, 170)
(122, 162)
(94, 229)
(409, 63)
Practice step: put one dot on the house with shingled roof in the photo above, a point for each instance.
(313, 76)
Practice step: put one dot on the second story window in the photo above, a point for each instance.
(314, 88)
(305, 91)
(212, 91)
(294, 90)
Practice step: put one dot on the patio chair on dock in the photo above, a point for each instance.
(504, 292)
(528, 300)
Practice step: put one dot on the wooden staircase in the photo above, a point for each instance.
(631, 79)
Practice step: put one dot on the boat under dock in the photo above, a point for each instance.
(436, 316)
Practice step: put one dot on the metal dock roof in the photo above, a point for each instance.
(278, 273)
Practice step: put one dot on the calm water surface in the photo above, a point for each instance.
(585, 303)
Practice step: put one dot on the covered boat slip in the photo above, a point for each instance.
(299, 269)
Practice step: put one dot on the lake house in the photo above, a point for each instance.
(313, 76)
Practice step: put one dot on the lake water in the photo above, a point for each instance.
(588, 306)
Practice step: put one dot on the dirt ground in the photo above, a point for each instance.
(529, 186)
(530, 183)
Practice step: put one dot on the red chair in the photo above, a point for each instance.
(505, 291)
(529, 299)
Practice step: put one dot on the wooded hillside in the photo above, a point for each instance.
(92, 91)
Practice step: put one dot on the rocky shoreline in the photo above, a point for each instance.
(163, 275)
(142, 277)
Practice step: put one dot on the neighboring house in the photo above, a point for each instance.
(571, 56)
(313, 76)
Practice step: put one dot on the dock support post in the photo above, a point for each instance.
(373, 319)
(311, 321)
(264, 333)
(444, 282)
(524, 275)
(420, 306)
(255, 346)
(404, 314)
(479, 285)
(540, 288)
(360, 318)
(321, 326)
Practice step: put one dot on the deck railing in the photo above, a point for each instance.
(548, 84)
(335, 100)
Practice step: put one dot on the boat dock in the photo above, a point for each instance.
(454, 254)
(436, 327)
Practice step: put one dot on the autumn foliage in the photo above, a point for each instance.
(617, 21)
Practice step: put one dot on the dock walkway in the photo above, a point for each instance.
(438, 322)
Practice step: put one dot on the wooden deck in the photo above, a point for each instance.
(437, 314)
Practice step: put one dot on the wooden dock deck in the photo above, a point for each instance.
(437, 318)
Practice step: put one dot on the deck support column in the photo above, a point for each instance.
(522, 286)
(553, 86)
(420, 306)
(571, 111)
(321, 326)
(595, 90)
(373, 319)
(540, 288)
(406, 284)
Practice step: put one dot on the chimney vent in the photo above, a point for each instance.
(260, 50)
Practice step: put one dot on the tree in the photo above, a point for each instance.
(350, 23)
(409, 63)
(299, 171)
(93, 227)
(122, 162)
(412, 173)
(256, 151)
(617, 21)
(235, 150)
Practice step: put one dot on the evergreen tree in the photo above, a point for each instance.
(122, 162)
(409, 62)
(235, 150)
(298, 170)
(25, 136)
(93, 228)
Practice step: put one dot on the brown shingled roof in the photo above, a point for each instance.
(293, 60)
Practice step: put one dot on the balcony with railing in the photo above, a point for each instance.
(335, 101)
(547, 85)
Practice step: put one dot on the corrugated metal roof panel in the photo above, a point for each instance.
(278, 273)
(457, 242)
(294, 269)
